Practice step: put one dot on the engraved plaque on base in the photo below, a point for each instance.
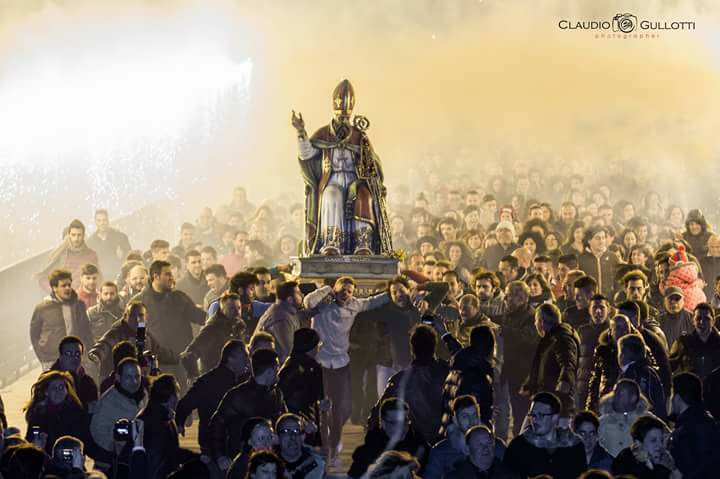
(367, 271)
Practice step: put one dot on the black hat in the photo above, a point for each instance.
(304, 340)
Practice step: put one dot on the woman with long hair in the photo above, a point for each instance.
(540, 291)
(460, 259)
(54, 410)
(574, 239)
(627, 240)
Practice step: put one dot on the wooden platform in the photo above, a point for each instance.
(17, 394)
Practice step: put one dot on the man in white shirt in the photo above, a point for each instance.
(337, 309)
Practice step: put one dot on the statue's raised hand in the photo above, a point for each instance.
(298, 123)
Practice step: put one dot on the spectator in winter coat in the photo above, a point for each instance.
(122, 401)
(72, 254)
(225, 324)
(675, 320)
(696, 233)
(395, 433)
(208, 390)
(618, 410)
(710, 264)
(699, 351)
(544, 448)
(87, 291)
(71, 352)
(696, 432)
(134, 318)
(172, 313)
(193, 282)
(596, 261)
(481, 460)
(301, 382)
(111, 244)
(589, 338)
(451, 450)
(58, 315)
(107, 311)
(586, 425)
(632, 359)
(554, 365)
(420, 385)
(300, 460)
(54, 411)
(259, 396)
(647, 458)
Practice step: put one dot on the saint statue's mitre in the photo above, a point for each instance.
(344, 98)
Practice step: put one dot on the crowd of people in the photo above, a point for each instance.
(539, 326)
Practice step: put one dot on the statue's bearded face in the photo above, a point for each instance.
(343, 116)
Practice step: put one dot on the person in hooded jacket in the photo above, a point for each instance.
(618, 410)
(696, 233)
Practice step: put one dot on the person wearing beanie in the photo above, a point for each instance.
(505, 234)
(301, 381)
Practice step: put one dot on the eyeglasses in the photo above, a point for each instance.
(291, 432)
(539, 415)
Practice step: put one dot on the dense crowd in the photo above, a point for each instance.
(541, 326)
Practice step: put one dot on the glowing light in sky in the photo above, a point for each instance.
(94, 111)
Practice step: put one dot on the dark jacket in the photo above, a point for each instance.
(47, 326)
(690, 354)
(604, 372)
(161, 441)
(107, 250)
(601, 459)
(466, 469)
(244, 401)
(470, 373)
(170, 316)
(659, 358)
(421, 386)
(576, 317)
(520, 342)
(85, 386)
(649, 381)
(693, 444)
(675, 325)
(102, 317)
(589, 339)
(602, 269)
(566, 460)
(207, 345)
(121, 331)
(205, 396)
(68, 420)
(698, 243)
(626, 463)
(301, 383)
(710, 270)
(711, 390)
(393, 325)
(555, 363)
(195, 288)
(376, 442)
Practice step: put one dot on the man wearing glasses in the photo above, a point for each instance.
(301, 462)
(71, 350)
(543, 447)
